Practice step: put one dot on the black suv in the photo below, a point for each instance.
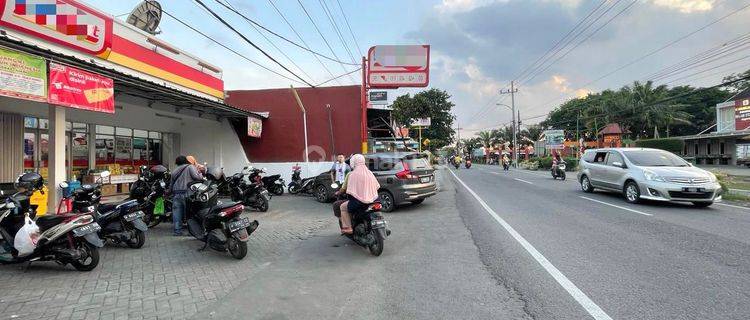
(403, 176)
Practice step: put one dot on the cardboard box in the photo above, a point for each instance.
(109, 189)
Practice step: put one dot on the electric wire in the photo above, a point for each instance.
(215, 15)
(321, 35)
(336, 29)
(228, 48)
(283, 17)
(348, 26)
(306, 48)
(273, 44)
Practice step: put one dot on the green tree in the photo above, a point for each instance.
(741, 85)
(434, 104)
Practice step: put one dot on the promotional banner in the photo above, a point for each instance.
(254, 127)
(22, 76)
(80, 89)
(554, 139)
(379, 96)
(742, 114)
(394, 66)
(422, 122)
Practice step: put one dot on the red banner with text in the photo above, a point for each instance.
(80, 89)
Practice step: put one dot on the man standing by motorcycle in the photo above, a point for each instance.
(339, 170)
(182, 177)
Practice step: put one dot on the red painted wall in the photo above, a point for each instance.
(283, 138)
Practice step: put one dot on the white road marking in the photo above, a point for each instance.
(592, 308)
(529, 172)
(522, 180)
(494, 172)
(616, 206)
(732, 206)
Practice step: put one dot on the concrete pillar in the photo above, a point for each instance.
(56, 170)
(92, 146)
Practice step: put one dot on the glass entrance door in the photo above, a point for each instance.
(36, 151)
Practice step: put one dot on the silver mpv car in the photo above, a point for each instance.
(651, 174)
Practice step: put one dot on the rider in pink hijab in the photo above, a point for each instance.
(362, 184)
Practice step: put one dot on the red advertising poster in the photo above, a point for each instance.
(80, 89)
(742, 114)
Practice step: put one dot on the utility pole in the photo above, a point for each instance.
(514, 127)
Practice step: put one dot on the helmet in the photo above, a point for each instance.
(30, 181)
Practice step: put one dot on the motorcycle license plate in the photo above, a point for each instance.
(89, 228)
(132, 216)
(425, 179)
(239, 224)
(379, 223)
(266, 195)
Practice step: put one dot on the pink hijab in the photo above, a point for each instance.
(361, 183)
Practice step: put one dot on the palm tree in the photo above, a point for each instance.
(653, 108)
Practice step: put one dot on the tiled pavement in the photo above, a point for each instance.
(166, 279)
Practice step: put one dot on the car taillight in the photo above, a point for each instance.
(406, 173)
(230, 211)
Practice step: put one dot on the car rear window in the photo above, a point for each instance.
(417, 163)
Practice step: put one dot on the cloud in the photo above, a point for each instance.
(687, 6)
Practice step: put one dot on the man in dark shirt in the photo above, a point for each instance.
(182, 177)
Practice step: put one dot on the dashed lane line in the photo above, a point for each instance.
(522, 180)
(589, 305)
(616, 206)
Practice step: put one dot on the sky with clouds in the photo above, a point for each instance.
(477, 46)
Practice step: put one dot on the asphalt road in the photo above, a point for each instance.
(584, 256)
(514, 245)
(430, 269)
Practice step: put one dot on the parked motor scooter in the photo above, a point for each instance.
(150, 190)
(252, 193)
(219, 225)
(299, 185)
(120, 223)
(65, 239)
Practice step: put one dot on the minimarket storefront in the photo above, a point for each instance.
(149, 102)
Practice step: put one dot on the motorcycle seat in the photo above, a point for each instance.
(48, 221)
(224, 205)
(103, 208)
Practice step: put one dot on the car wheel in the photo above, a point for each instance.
(631, 192)
(387, 201)
(703, 204)
(586, 184)
(321, 194)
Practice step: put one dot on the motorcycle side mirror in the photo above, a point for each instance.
(105, 174)
(63, 185)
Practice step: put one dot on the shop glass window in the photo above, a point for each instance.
(29, 139)
(43, 124)
(123, 151)
(105, 130)
(30, 122)
(124, 132)
(105, 149)
(154, 135)
(154, 151)
(140, 151)
(79, 152)
(140, 133)
(80, 127)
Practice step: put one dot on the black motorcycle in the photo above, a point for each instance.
(120, 223)
(64, 238)
(274, 184)
(149, 190)
(219, 225)
(251, 193)
(299, 185)
(370, 228)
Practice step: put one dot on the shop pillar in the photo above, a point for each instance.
(92, 147)
(56, 169)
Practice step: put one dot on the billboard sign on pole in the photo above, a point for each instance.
(554, 139)
(379, 96)
(423, 122)
(393, 66)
